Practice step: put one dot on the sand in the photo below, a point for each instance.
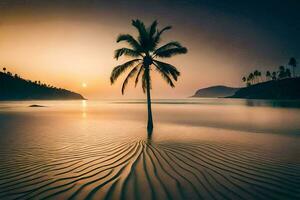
(95, 152)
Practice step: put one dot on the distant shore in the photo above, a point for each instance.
(285, 89)
(15, 88)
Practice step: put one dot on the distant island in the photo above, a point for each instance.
(288, 88)
(13, 87)
(216, 91)
(282, 83)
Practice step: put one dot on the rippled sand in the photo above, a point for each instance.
(102, 152)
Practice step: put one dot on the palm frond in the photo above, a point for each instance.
(144, 83)
(131, 41)
(171, 52)
(152, 29)
(131, 74)
(165, 29)
(118, 70)
(138, 75)
(143, 34)
(159, 33)
(126, 52)
(166, 78)
(167, 68)
(167, 46)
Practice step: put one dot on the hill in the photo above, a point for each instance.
(288, 88)
(215, 91)
(16, 88)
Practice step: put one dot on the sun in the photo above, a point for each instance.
(84, 85)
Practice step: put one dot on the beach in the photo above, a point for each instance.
(199, 149)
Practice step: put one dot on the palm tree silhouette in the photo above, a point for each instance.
(268, 75)
(4, 69)
(244, 79)
(259, 76)
(293, 64)
(256, 75)
(281, 72)
(145, 51)
(274, 76)
(251, 77)
(288, 73)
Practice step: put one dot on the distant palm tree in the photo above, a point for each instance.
(259, 76)
(4, 69)
(281, 73)
(248, 81)
(244, 79)
(145, 51)
(274, 75)
(293, 64)
(251, 77)
(288, 73)
(268, 75)
(256, 75)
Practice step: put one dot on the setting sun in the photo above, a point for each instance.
(84, 85)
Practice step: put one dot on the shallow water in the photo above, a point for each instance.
(200, 149)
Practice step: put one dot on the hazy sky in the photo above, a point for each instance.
(67, 43)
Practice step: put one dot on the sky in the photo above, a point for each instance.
(66, 43)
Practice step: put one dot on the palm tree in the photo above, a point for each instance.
(256, 75)
(145, 51)
(293, 64)
(268, 75)
(244, 79)
(288, 73)
(259, 76)
(251, 77)
(274, 76)
(281, 72)
(4, 69)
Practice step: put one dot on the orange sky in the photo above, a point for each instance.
(66, 49)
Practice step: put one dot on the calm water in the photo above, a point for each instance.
(200, 149)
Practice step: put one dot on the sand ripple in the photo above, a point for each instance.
(141, 169)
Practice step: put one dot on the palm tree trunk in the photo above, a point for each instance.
(150, 121)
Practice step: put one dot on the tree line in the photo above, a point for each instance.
(16, 76)
(283, 72)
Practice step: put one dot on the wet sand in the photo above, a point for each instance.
(102, 152)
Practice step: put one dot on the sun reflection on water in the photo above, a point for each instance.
(83, 108)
